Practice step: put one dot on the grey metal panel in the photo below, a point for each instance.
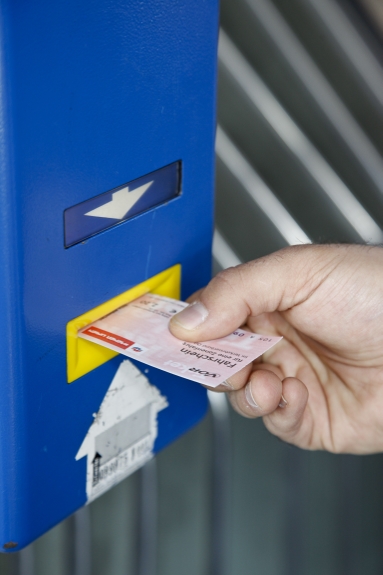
(353, 44)
(257, 190)
(54, 552)
(82, 542)
(26, 559)
(293, 512)
(240, 220)
(344, 58)
(260, 499)
(221, 505)
(184, 504)
(148, 520)
(277, 165)
(269, 58)
(320, 89)
(321, 172)
(223, 253)
(114, 529)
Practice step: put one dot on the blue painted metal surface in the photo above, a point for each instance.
(93, 94)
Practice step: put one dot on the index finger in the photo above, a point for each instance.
(276, 282)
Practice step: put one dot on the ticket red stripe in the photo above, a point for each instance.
(107, 336)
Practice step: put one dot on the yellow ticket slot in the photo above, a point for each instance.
(84, 356)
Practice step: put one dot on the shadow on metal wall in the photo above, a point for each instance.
(299, 159)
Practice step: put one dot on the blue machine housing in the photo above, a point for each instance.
(94, 94)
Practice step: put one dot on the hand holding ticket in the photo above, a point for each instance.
(140, 331)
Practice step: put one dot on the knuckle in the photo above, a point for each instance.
(228, 277)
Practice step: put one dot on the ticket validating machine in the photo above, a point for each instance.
(107, 125)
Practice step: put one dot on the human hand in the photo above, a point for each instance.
(321, 387)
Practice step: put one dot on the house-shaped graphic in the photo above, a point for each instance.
(122, 435)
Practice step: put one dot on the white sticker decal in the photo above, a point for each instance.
(122, 435)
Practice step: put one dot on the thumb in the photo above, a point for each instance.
(274, 283)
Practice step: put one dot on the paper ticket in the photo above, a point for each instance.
(140, 331)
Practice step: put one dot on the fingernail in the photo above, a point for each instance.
(249, 397)
(282, 403)
(192, 316)
(228, 385)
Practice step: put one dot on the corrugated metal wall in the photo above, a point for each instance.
(299, 159)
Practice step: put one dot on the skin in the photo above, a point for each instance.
(327, 372)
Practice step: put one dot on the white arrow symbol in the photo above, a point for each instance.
(120, 204)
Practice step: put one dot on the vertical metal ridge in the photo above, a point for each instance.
(82, 542)
(221, 485)
(147, 548)
(26, 561)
